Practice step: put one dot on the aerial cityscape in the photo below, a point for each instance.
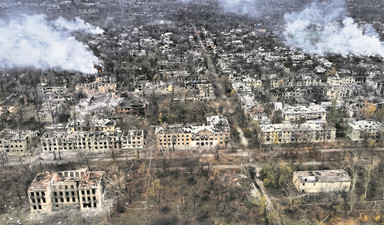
(147, 112)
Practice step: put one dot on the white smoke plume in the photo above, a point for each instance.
(33, 41)
(325, 28)
(77, 25)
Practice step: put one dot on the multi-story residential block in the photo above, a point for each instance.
(45, 89)
(74, 189)
(297, 113)
(285, 133)
(215, 134)
(321, 181)
(337, 80)
(94, 141)
(16, 141)
(100, 85)
(339, 92)
(363, 129)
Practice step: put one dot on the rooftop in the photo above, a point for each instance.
(87, 179)
(323, 176)
(309, 125)
(366, 124)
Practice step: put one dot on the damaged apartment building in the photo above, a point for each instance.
(362, 130)
(105, 84)
(92, 141)
(308, 132)
(215, 134)
(73, 189)
(16, 142)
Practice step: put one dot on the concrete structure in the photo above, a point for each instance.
(100, 85)
(97, 141)
(16, 141)
(45, 89)
(337, 80)
(297, 113)
(132, 108)
(321, 181)
(363, 129)
(74, 189)
(285, 133)
(215, 134)
(339, 92)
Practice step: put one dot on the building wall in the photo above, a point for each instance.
(90, 197)
(18, 146)
(92, 143)
(40, 200)
(308, 116)
(64, 195)
(188, 140)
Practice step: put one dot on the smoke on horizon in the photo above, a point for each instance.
(34, 41)
(325, 28)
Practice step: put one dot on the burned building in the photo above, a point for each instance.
(215, 134)
(134, 107)
(104, 84)
(74, 189)
(97, 141)
(16, 141)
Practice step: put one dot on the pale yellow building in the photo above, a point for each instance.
(286, 133)
(100, 85)
(215, 134)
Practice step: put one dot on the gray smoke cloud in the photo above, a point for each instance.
(241, 7)
(325, 28)
(34, 41)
